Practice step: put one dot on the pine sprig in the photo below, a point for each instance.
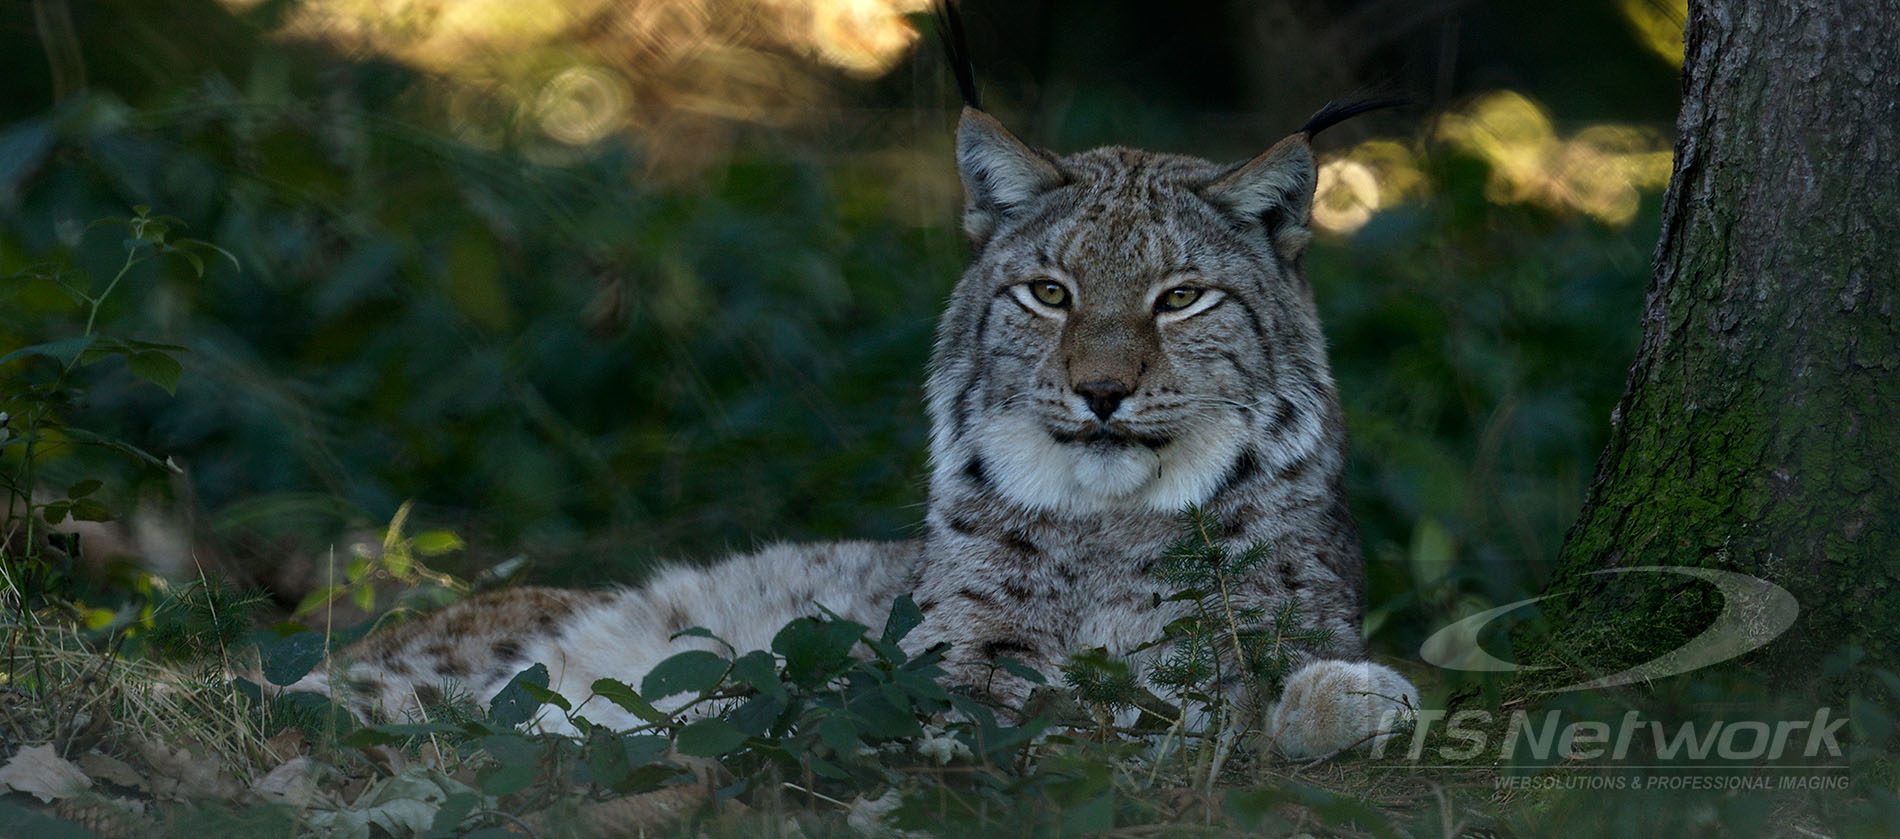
(1224, 637)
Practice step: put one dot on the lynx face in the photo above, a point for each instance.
(1133, 331)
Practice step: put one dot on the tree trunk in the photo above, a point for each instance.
(1761, 425)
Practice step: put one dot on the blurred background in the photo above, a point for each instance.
(598, 282)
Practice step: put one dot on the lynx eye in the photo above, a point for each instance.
(1176, 299)
(1051, 293)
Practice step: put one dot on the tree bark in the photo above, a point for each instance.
(1761, 425)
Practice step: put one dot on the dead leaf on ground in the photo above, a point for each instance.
(43, 774)
(294, 782)
(288, 744)
(114, 770)
(180, 773)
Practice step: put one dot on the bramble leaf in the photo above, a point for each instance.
(513, 705)
(289, 659)
(620, 694)
(693, 671)
(709, 737)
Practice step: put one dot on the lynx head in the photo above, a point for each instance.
(1133, 331)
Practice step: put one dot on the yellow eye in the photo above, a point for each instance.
(1175, 299)
(1050, 293)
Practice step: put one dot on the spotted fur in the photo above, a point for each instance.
(1074, 409)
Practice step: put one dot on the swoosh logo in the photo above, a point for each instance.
(1754, 612)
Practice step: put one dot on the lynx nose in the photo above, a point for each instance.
(1104, 396)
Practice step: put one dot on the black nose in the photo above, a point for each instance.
(1104, 396)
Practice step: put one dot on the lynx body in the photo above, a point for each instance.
(1133, 336)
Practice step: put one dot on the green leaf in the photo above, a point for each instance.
(514, 749)
(398, 562)
(693, 672)
(1020, 670)
(840, 733)
(86, 509)
(606, 759)
(619, 694)
(760, 670)
(365, 597)
(905, 616)
(756, 716)
(287, 660)
(435, 542)
(83, 488)
(55, 512)
(827, 769)
(645, 748)
(317, 598)
(922, 685)
(197, 262)
(709, 738)
(80, 435)
(455, 808)
(508, 780)
(546, 696)
(63, 350)
(196, 244)
(880, 718)
(814, 650)
(513, 705)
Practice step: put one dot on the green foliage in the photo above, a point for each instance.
(569, 360)
(398, 560)
(35, 415)
(552, 357)
(1224, 636)
(207, 618)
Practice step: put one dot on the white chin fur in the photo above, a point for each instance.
(1111, 472)
(1030, 468)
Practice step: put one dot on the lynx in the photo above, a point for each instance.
(1133, 335)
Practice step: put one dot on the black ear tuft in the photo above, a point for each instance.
(1349, 106)
(956, 48)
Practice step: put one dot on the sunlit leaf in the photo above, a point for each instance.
(435, 542)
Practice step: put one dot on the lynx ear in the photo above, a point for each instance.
(999, 173)
(1275, 190)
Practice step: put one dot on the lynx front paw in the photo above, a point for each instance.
(1329, 706)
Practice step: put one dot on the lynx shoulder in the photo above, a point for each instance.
(1134, 335)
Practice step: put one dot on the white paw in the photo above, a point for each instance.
(1329, 706)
